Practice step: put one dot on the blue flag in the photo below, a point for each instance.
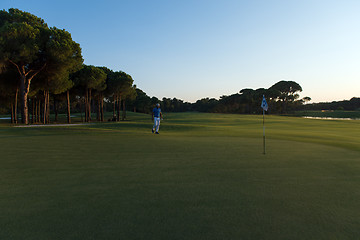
(264, 104)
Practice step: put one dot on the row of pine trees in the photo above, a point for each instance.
(37, 62)
(41, 68)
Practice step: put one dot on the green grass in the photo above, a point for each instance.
(203, 177)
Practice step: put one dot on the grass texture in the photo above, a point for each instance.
(203, 177)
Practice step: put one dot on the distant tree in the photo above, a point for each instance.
(103, 93)
(63, 58)
(99, 96)
(87, 79)
(245, 102)
(119, 84)
(130, 95)
(349, 105)
(285, 92)
(142, 103)
(247, 99)
(167, 105)
(205, 104)
(354, 104)
(306, 99)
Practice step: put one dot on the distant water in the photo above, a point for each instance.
(331, 118)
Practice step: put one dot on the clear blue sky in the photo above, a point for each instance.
(191, 49)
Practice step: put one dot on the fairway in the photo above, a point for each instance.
(203, 177)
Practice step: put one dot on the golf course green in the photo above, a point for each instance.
(204, 177)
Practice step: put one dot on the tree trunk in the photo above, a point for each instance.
(102, 108)
(12, 113)
(89, 106)
(16, 106)
(33, 110)
(25, 80)
(86, 105)
(68, 106)
(23, 99)
(46, 115)
(81, 113)
(118, 108)
(93, 105)
(123, 110)
(48, 107)
(114, 105)
(15, 113)
(98, 109)
(55, 109)
(38, 111)
(45, 106)
(28, 113)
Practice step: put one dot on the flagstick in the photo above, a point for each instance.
(264, 130)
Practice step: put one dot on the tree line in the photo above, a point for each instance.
(348, 105)
(40, 63)
(42, 70)
(282, 97)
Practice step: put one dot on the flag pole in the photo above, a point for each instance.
(264, 106)
(264, 130)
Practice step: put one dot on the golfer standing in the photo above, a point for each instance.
(156, 116)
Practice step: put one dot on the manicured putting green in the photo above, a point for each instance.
(203, 177)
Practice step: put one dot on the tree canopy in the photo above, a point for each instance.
(31, 46)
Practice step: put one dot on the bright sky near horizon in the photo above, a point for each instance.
(191, 49)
